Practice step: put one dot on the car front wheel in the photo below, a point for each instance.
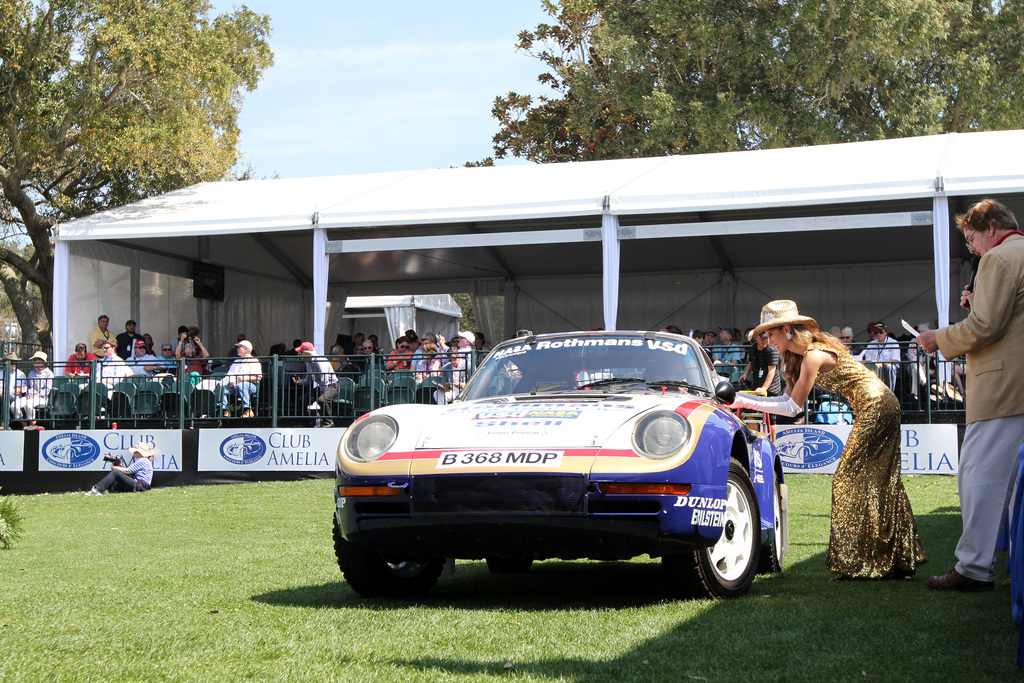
(373, 576)
(726, 569)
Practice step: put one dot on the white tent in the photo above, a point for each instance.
(855, 232)
(389, 317)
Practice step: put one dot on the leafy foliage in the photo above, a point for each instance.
(652, 77)
(11, 522)
(105, 102)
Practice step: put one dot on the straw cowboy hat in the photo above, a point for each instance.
(782, 312)
(141, 449)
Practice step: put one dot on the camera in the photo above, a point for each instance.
(115, 459)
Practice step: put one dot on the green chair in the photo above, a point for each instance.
(147, 399)
(344, 403)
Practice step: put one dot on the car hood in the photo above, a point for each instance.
(542, 422)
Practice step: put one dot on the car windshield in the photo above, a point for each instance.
(606, 362)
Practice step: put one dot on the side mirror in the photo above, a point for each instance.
(725, 391)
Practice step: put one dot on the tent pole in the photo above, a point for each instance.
(61, 275)
(611, 250)
(321, 265)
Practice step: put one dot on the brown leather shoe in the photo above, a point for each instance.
(955, 581)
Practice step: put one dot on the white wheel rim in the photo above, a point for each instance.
(730, 557)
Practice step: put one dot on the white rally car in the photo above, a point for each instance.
(601, 445)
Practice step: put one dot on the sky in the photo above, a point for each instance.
(361, 87)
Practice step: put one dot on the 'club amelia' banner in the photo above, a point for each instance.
(815, 449)
(268, 450)
(12, 451)
(76, 450)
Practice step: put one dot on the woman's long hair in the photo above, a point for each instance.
(803, 337)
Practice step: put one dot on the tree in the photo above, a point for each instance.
(105, 102)
(651, 77)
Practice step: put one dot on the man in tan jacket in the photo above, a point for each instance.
(991, 339)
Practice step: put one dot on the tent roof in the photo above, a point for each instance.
(438, 303)
(875, 171)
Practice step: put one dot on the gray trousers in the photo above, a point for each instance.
(988, 471)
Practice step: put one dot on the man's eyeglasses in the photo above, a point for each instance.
(969, 239)
(166, 348)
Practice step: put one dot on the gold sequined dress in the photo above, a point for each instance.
(873, 531)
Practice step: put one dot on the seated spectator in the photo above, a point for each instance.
(419, 356)
(414, 346)
(355, 367)
(233, 351)
(376, 343)
(319, 375)
(111, 368)
(37, 390)
(336, 352)
(727, 352)
(357, 341)
(242, 379)
(14, 382)
(430, 362)
(148, 338)
(167, 362)
(884, 352)
(142, 362)
(190, 347)
(399, 359)
(78, 362)
(455, 376)
(708, 339)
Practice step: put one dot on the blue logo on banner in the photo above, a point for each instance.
(70, 450)
(243, 448)
(808, 448)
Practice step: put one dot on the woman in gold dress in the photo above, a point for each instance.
(873, 533)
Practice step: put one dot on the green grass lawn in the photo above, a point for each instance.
(239, 582)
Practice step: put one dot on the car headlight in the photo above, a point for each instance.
(660, 435)
(371, 438)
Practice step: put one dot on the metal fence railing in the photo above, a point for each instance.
(929, 388)
(179, 393)
(333, 390)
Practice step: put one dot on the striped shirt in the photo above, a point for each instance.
(142, 468)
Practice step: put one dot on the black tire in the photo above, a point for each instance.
(771, 553)
(373, 576)
(509, 565)
(726, 569)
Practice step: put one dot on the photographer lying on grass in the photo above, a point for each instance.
(136, 477)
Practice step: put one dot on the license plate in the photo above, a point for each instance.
(531, 459)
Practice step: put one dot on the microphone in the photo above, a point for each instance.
(975, 260)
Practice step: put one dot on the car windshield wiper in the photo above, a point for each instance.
(679, 383)
(596, 383)
(607, 381)
(549, 387)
